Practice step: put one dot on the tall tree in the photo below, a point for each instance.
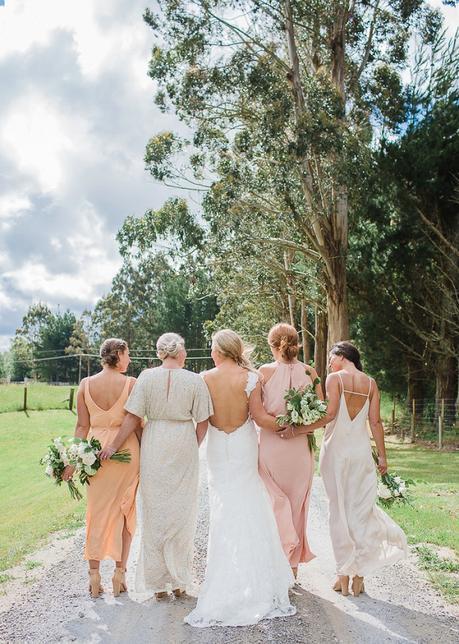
(282, 98)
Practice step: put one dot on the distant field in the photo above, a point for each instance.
(39, 397)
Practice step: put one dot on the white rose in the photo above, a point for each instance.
(384, 492)
(81, 449)
(64, 458)
(88, 458)
(397, 479)
(402, 488)
(89, 470)
(49, 471)
(73, 450)
(397, 493)
(295, 417)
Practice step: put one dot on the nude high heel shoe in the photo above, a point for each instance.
(357, 585)
(119, 581)
(95, 589)
(342, 585)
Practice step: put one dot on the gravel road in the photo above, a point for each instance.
(49, 603)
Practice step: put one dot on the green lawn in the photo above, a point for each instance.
(434, 517)
(30, 505)
(39, 396)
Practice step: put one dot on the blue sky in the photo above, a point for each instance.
(77, 110)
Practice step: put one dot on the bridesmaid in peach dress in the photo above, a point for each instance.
(287, 467)
(110, 513)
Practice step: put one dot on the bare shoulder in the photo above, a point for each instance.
(209, 374)
(266, 371)
(332, 379)
(132, 381)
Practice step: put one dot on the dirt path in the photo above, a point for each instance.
(50, 603)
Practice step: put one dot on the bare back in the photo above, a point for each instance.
(357, 388)
(227, 386)
(106, 387)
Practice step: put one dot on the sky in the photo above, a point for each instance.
(76, 113)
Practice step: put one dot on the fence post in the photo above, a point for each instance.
(413, 421)
(441, 420)
(72, 393)
(25, 398)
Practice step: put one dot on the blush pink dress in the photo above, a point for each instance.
(287, 466)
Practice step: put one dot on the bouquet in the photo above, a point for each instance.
(303, 408)
(56, 460)
(84, 456)
(392, 488)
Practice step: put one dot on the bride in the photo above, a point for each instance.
(247, 575)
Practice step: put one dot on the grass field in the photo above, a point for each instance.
(39, 396)
(434, 517)
(31, 506)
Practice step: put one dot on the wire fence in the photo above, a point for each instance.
(426, 419)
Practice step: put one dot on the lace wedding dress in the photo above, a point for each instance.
(248, 575)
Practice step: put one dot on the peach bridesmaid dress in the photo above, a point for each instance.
(111, 493)
(287, 467)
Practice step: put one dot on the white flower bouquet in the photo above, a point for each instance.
(84, 456)
(303, 407)
(55, 461)
(392, 488)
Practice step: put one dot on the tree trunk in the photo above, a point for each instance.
(320, 344)
(338, 320)
(290, 288)
(446, 372)
(304, 333)
(329, 237)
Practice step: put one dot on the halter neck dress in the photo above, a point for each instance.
(287, 467)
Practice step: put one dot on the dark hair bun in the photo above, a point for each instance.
(110, 350)
(348, 351)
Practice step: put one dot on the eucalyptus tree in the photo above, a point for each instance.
(282, 100)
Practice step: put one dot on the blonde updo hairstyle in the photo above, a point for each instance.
(231, 345)
(110, 351)
(169, 345)
(284, 337)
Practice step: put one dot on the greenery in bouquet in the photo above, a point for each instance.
(84, 456)
(303, 407)
(392, 488)
(55, 461)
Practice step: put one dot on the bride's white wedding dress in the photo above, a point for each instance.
(247, 576)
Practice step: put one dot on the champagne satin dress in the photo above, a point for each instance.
(287, 467)
(111, 493)
(363, 536)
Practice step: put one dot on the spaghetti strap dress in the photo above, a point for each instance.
(363, 536)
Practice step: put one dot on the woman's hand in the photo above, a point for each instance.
(107, 453)
(286, 432)
(382, 465)
(68, 473)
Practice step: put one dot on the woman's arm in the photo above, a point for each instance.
(318, 388)
(377, 429)
(81, 428)
(129, 425)
(201, 430)
(258, 412)
(333, 395)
